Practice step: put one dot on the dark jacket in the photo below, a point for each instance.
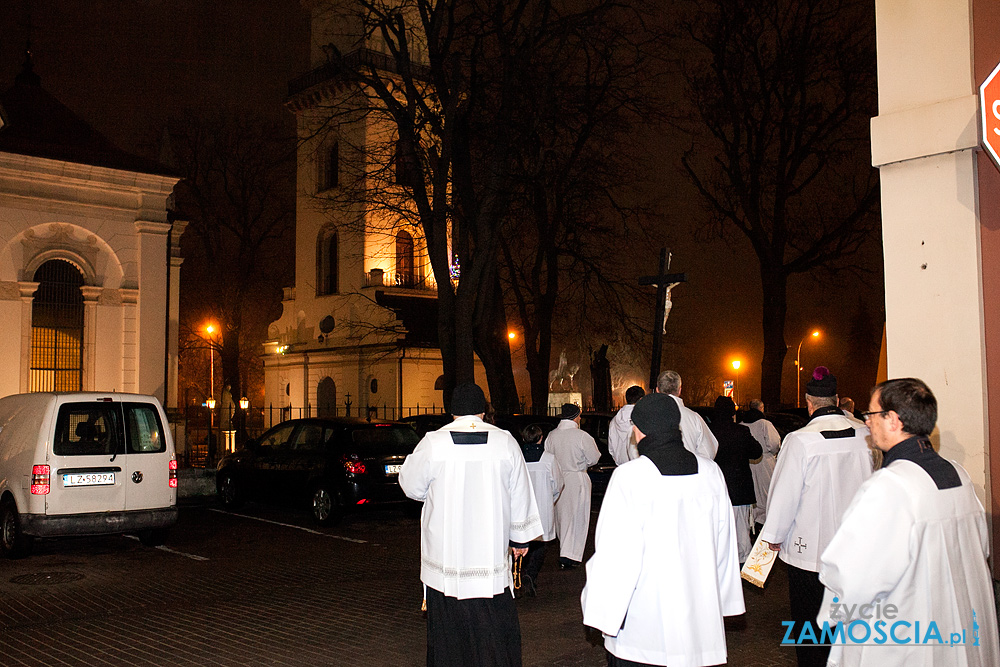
(737, 447)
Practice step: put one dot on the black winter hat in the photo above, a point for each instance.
(823, 383)
(468, 399)
(569, 411)
(656, 413)
(724, 406)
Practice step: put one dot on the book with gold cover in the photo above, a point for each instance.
(759, 563)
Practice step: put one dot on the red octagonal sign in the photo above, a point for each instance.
(989, 104)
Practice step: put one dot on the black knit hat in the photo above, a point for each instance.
(569, 411)
(823, 384)
(656, 413)
(724, 406)
(468, 399)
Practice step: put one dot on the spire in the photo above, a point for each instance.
(27, 76)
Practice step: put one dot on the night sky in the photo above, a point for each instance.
(126, 66)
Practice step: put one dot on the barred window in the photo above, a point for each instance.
(57, 328)
(405, 276)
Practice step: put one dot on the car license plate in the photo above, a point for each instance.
(89, 479)
(393, 469)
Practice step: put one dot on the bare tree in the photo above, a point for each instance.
(235, 192)
(782, 93)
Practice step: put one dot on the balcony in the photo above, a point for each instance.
(381, 278)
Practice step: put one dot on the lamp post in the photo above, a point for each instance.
(210, 402)
(736, 387)
(798, 369)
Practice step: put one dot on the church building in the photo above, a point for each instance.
(89, 270)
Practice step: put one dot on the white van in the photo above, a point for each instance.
(84, 464)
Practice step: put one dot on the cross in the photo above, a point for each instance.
(664, 282)
(800, 544)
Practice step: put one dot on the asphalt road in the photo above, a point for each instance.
(266, 587)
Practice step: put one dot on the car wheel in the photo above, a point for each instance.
(228, 490)
(153, 537)
(327, 507)
(13, 542)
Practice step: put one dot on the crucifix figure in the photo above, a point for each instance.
(665, 282)
(800, 544)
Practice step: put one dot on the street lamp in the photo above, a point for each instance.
(736, 387)
(798, 369)
(244, 403)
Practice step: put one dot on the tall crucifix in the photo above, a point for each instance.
(664, 282)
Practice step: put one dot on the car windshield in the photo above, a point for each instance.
(384, 439)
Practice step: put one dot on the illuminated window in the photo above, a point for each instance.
(404, 260)
(57, 328)
(327, 265)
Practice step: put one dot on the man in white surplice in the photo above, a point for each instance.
(621, 445)
(698, 439)
(763, 432)
(665, 569)
(914, 537)
(821, 466)
(478, 503)
(575, 451)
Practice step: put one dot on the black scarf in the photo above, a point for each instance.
(919, 450)
(751, 415)
(826, 410)
(666, 451)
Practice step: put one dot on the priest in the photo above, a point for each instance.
(665, 569)
(478, 507)
(914, 539)
(575, 451)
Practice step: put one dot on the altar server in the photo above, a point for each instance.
(665, 569)
(547, 482)
(763, 432)
(821, 467)
(620, 441)
(575, 451)
(915, 538)
(478, 504)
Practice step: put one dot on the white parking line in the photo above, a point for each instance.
(290, 525)
(173, 551)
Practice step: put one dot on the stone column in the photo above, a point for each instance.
(91, 297)
(152, 307)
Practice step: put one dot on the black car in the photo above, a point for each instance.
(430, 421)
(514, 424)
(331, 464)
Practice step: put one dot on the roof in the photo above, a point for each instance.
(39, 125)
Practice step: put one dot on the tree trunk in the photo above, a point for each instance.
(774, 288)
(493, 348)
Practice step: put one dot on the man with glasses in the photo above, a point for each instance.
(820, 468)
(915, 539)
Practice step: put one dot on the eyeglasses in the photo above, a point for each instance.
(866, 415)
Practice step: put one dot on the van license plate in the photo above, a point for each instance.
(89, 479)
(393, 469)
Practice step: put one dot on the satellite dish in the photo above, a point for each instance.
(326, 324)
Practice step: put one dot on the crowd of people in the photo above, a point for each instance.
(874, 527)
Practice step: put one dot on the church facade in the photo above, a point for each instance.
(358, 330)
(89, 269)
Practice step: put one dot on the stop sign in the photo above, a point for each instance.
(989, 104)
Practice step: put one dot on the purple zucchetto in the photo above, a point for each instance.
(823, 384)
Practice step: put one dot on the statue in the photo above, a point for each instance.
(600, 374)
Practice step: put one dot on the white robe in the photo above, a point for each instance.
(547, 483)
(813, 483)
(575, 451)
(477, 498)
(665, 564)
(620, 442)
(763, 432)
(905, 542)
(697, 437)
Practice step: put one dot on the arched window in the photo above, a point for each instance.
(329, 172)
(57, 328)
(405, 276)
(327, 265)
(326, 398)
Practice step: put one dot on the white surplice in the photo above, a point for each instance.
(665, 566)
(477, 498)
(697, 437)
(922, 549)
(547, 483)
(620, 443)
(813, 483)
(763, 432)
(575, 451)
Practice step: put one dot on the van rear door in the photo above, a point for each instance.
(147, 458)
(86, 465)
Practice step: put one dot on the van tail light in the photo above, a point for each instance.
(353, 465)
(172, 477)
(40, 480)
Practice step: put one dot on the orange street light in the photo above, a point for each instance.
(736, 386)
(511, 335)
(798, 369)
